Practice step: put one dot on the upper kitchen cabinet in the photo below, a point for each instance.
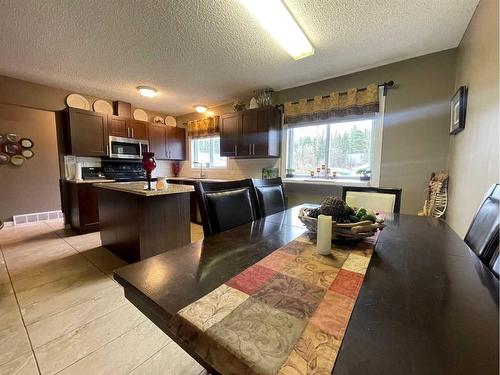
(167, 142)
(138, 129)
(252, 133)
(86, 132)
(118, 126)
(176, 143)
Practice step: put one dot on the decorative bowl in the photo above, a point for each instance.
(344, 231)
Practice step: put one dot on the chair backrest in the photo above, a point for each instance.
(377, 199)
(494, 263)
(482, 235)
(225, 205)
(270, 196)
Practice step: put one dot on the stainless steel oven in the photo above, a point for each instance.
(127, 148)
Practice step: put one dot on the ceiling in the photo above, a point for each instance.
(210, 51)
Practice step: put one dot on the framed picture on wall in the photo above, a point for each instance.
(457, 110)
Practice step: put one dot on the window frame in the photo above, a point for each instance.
(194, 151)
(375, 145)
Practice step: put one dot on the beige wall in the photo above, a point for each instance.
(473, 159)
(34, 186)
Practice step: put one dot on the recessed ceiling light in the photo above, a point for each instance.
(277, 20)
(147, 91)
(200, 108)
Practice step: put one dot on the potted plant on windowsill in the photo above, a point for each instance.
(364, 174)
(289, 172)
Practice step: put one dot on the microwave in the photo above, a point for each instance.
(127, 148)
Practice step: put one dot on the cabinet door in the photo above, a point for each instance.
(229, 124)
(260, 140)
(158, 140)
(138, 129)
(87, 132)
(247, 129)
(117, 126)
(176, 143)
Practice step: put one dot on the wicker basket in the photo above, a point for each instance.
(347, 231)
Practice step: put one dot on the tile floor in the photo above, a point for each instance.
(62, 313)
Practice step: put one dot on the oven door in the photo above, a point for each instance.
(124, 148)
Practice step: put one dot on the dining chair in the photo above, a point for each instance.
(494, 264)
(270, 196)
(377, 199)
(225, 205)
(482, 235)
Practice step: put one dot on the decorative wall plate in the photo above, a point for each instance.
(11, 148)
(170, 121)
(158, 120)
(4, 158)
(77, 101)
(102, 106)
(26, 143)
(17, 160)
(140, 114)
(28, 154)
(12, 137)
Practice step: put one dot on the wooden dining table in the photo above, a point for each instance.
(427, 304)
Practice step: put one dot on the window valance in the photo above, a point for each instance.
(204, 127)
(353, 102)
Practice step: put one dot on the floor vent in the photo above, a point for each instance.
(37, 216)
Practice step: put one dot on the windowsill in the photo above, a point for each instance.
(323, 181)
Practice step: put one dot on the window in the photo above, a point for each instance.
(207, 151)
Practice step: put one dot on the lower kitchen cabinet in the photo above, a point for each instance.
(83, 207)
(194, 207)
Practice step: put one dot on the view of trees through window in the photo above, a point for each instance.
(207, 151)
(343, 147)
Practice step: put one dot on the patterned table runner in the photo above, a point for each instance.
(286, 314)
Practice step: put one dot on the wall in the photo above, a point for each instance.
(473, 159)
(34, 186)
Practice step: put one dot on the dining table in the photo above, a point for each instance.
(427, 304)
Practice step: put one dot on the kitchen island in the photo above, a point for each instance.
(136, 223)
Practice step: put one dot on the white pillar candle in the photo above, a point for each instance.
(324, 235)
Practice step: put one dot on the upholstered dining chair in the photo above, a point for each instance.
(482, 235)
(377, 199)
(225, 205)
(270, 196)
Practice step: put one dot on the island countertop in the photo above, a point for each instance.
(138, 188)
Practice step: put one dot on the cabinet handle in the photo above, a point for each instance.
(235, 150)
(128, 132)
(107, 149)
(250, 149)
(253, 148)
(132, 132)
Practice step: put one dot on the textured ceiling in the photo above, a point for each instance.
(210, 51)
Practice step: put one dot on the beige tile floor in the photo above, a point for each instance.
(61, 311)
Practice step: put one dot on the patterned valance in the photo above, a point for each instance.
(353, 102)
(204, 127)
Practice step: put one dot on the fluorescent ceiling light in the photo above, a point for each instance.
(147, 91)
(200, 108)
(277, 20)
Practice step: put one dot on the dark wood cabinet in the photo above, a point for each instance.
(157, 140)
(168, 143)
(229, 134)
(86, 133)
(118, 126)
(252, 133)
(176, 143)
(138, 129)
(84, 212)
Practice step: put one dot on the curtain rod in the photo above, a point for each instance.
(385, 85)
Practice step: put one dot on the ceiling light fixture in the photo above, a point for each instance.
(277, 20)
(200, 108)
(147, 91)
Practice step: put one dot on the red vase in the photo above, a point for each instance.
(149, 164)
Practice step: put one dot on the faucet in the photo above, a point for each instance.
(202, 175)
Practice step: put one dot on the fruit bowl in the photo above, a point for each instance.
(344, 231)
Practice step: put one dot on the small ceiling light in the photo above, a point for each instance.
(277, 20)
(147, 91)
(200, 108)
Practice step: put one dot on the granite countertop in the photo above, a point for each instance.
(92, 181)
(138, 188)
(196, 179)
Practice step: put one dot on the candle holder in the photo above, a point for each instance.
(149, 164)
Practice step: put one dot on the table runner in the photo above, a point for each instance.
(286, 314)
